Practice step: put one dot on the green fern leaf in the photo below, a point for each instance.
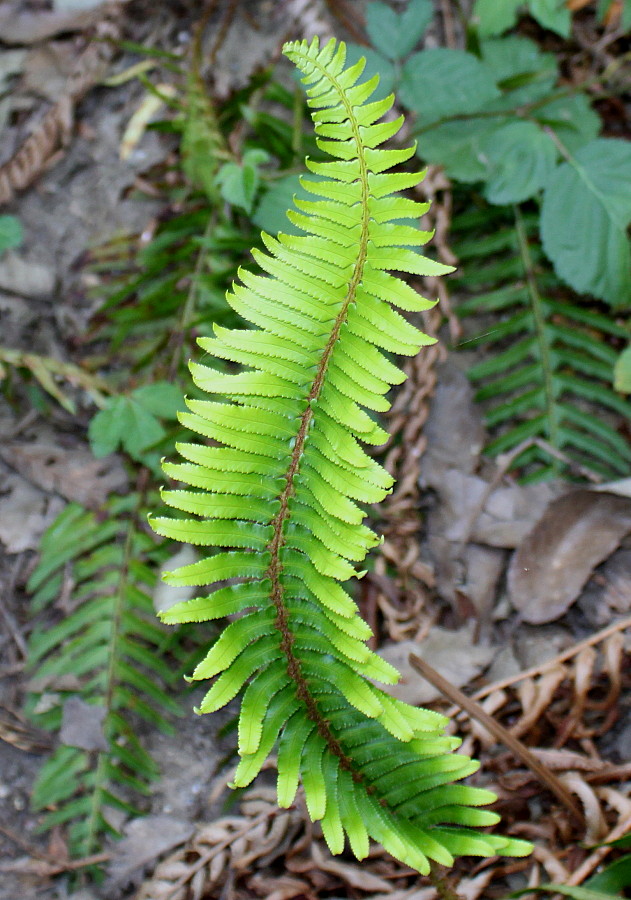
(109, 652)
(283, 498)
(548, 371)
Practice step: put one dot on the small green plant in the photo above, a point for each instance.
(548, 359)
(108, 653)
(278, 498)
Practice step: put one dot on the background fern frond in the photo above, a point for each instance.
(108, 651)
(282, 498)
(549, 369)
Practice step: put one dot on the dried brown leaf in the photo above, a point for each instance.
(53, 132)
(576, 533)
(145, 840)
(282, 887)
(82, 725)
(73, 474)
(452, 653)
(350, 874)
(25, 513)
(23, 27)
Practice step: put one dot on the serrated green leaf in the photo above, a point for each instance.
(572, 119)
(552, 14)
(495, 18)
(441, 82)
(520, 160)
(396, 34)
(457, 146)
(520, 69)
(292, 742)
(591, 195)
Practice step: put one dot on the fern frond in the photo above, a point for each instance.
(283, 496)
(109, 652)
(549, 370)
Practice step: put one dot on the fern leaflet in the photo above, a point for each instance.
(552, 365)
(281, 499)
(107, 651)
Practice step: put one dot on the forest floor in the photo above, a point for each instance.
(519, 595)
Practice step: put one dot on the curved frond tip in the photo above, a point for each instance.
(282, 497)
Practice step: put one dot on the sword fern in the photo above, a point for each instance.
(280, 493)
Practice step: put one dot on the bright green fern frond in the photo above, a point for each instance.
(283, 495)
(107, 652)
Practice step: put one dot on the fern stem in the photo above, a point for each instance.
(100, 776)
(278, 523)
(538, 313)
(440, 883)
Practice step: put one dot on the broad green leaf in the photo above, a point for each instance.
(270, 213)
(520, 159)
(614, 878)
(129, 422)
(108, 426)
(520, 69)
(162, 399)
(495, 17)
(552, 14)
(239, 183)
(440, 82)
(585, 213)
(572, 119)
(576, 892)
(458, 146)
(396, 34)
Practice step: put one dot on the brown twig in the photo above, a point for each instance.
(502, 734)
(57, 865)
(443, 888)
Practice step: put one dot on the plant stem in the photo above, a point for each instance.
(443, 888)
(543, 341)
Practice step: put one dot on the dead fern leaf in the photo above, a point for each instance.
(232, 844)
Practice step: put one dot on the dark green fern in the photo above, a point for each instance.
(106, 650)
(550, 361)
(278, 494)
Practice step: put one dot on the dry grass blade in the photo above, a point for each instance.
(502, 734)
